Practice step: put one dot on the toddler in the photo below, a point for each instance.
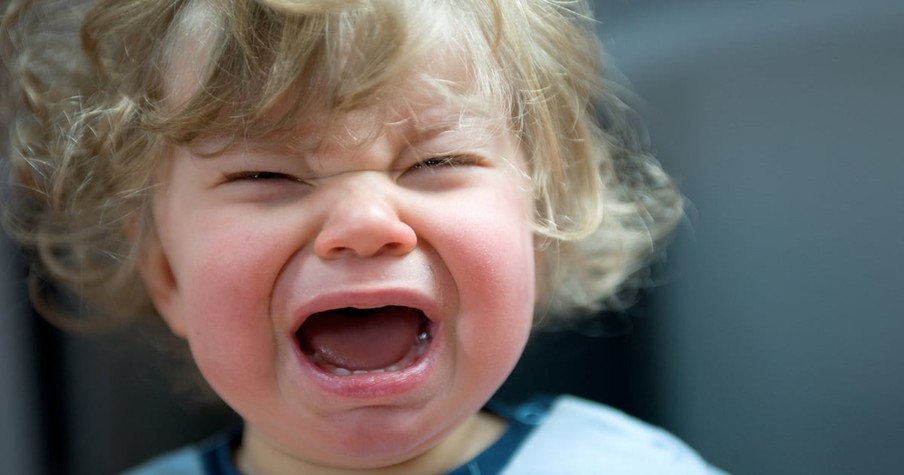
(352, 211)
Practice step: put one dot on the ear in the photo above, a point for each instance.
(161, 285)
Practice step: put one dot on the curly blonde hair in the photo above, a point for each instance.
(84, 93)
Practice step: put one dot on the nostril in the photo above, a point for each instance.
(334, 252)
(399, 247)
(389, 248)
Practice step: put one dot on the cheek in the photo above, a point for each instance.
(491, 259)
(500, 289)
(225, 279)
(222, 270)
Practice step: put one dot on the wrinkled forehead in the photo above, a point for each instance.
(273, 65)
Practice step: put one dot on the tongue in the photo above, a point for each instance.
(361, 339)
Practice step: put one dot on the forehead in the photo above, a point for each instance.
(452, 127)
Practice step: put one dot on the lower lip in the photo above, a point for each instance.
(374, 386)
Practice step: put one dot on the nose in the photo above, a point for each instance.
(363, 224)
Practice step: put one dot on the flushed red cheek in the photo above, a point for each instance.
(501, 294)
(226, 304)
(234, 354)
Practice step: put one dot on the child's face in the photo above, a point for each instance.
(264, 249)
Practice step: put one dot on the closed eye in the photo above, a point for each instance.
(260, 176)
(447, 161)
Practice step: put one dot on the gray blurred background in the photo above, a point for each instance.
(773, 340)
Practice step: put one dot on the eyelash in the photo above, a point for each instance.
(260, 176)
(450, 161)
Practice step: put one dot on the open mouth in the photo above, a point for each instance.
(349, 340)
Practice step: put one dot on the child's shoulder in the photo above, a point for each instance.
(547, 435)
(186, 461)
(578, 436)
(211, 457)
